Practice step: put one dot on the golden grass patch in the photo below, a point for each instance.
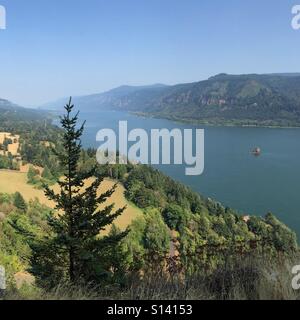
(12, 181)
(12, 148)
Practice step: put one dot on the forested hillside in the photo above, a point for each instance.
(181, 234)
(13, 116)
(267, 100)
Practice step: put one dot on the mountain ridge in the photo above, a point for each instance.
(249, 99)
(118, 92)
(10, 111)
(8, 105)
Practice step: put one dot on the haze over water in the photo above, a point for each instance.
(232, 175)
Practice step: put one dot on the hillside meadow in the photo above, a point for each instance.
(12, 181)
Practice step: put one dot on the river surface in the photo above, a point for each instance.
(232, 175)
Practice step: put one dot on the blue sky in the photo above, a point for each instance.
(57, 48)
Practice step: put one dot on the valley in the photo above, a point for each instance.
(172, 227)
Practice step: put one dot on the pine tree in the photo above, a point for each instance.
(19, 202)
(32, 175)
(47, 173)
(75, 247)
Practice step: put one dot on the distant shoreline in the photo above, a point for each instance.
(55, 116)
(211, 123)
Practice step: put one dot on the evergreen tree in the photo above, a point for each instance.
(19, 202)
(47, 173)
(74, 248)
(32, 175)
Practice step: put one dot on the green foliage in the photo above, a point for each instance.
(148, 243)
(32, 175)
(6, 162)
(67, 244)
(19, 202)
(207, 232)
(156, 237)
(14, 250)
(281, 236)
(257, 100)
(74, 248)
(158, 190)
(35, 128)
(47, 175)
(134, 246)
(173, 216)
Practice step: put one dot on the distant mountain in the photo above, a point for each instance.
(12, 112)
(267, 99)
(7, 105)
(106, 100)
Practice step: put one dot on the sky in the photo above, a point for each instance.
(57, 48)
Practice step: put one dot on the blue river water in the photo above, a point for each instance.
(232, 175)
